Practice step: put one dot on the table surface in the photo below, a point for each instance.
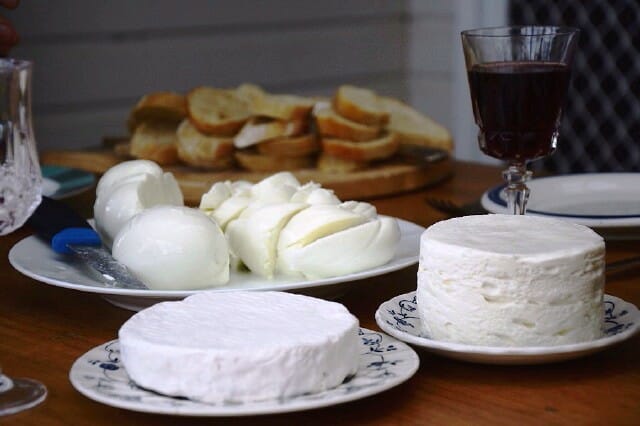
(43, 329)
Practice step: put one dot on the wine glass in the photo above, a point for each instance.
(518, 79)
(20, 194)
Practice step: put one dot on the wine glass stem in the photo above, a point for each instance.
(516, 177)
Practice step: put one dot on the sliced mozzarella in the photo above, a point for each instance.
(254, 238)
(313, 193)
(352, 250)
(316, 222)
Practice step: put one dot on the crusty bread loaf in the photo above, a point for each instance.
(259, 130)
(217, 111)
(360, 105)
(330, 124)
(295, 146)
(414, 127)
(330, 164)
(257, 162)
(155, 141)
(381, 148)
(200, 150)
(167, 107)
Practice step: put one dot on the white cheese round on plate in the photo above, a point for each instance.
(503, 280)
(240, 346)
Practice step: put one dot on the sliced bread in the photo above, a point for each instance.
(259, 130)
(200, 150)
(218, 112)
(155, 141)
(167, 107)
(330, 124)
(360, 105)
(295, 146)
(414, 127)
(381, 148)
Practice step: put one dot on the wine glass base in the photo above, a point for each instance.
(20, 394)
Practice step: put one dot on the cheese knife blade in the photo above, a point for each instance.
(69, 233)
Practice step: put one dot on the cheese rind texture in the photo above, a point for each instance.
(240, 346)
(502, 280)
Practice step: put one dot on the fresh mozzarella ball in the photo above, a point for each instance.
(127, 189)
(174, 248)
(124, 170)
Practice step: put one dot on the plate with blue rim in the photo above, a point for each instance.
(60, 182)
(599, 200)
(399, 318)
(385, 363)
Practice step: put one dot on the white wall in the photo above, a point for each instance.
(94, 59)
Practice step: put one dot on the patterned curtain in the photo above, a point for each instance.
(601, 127)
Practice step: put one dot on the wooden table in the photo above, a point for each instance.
(43, 329)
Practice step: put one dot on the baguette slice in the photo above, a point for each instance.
(415, 128)
(330, 164)
(155, 141)
(248, 92)
(200, 150)
(217, 111)
(333, 125)
(256, 131)
(296, 146)
(257, 162)
(167, 107)
(282, 107)
(379, 149)
(360, 105)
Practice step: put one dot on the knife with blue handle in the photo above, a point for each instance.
(69, 233)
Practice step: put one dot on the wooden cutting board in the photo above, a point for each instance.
(381, 180)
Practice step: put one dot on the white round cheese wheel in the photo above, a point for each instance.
(502, 280)
(240, 346)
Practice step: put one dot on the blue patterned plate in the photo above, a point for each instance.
(399, 318)
(593, 199)
(384, 363)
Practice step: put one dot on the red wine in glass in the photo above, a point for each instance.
(517, 106)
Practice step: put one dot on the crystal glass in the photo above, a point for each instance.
(518, 79)
(20, 193)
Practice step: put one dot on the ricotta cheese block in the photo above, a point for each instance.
(240, 346)
(174, 248)
(502, 280)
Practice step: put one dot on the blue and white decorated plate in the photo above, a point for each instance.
(384, 363)
(62, 182)
(399, 318)
(598, 200)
